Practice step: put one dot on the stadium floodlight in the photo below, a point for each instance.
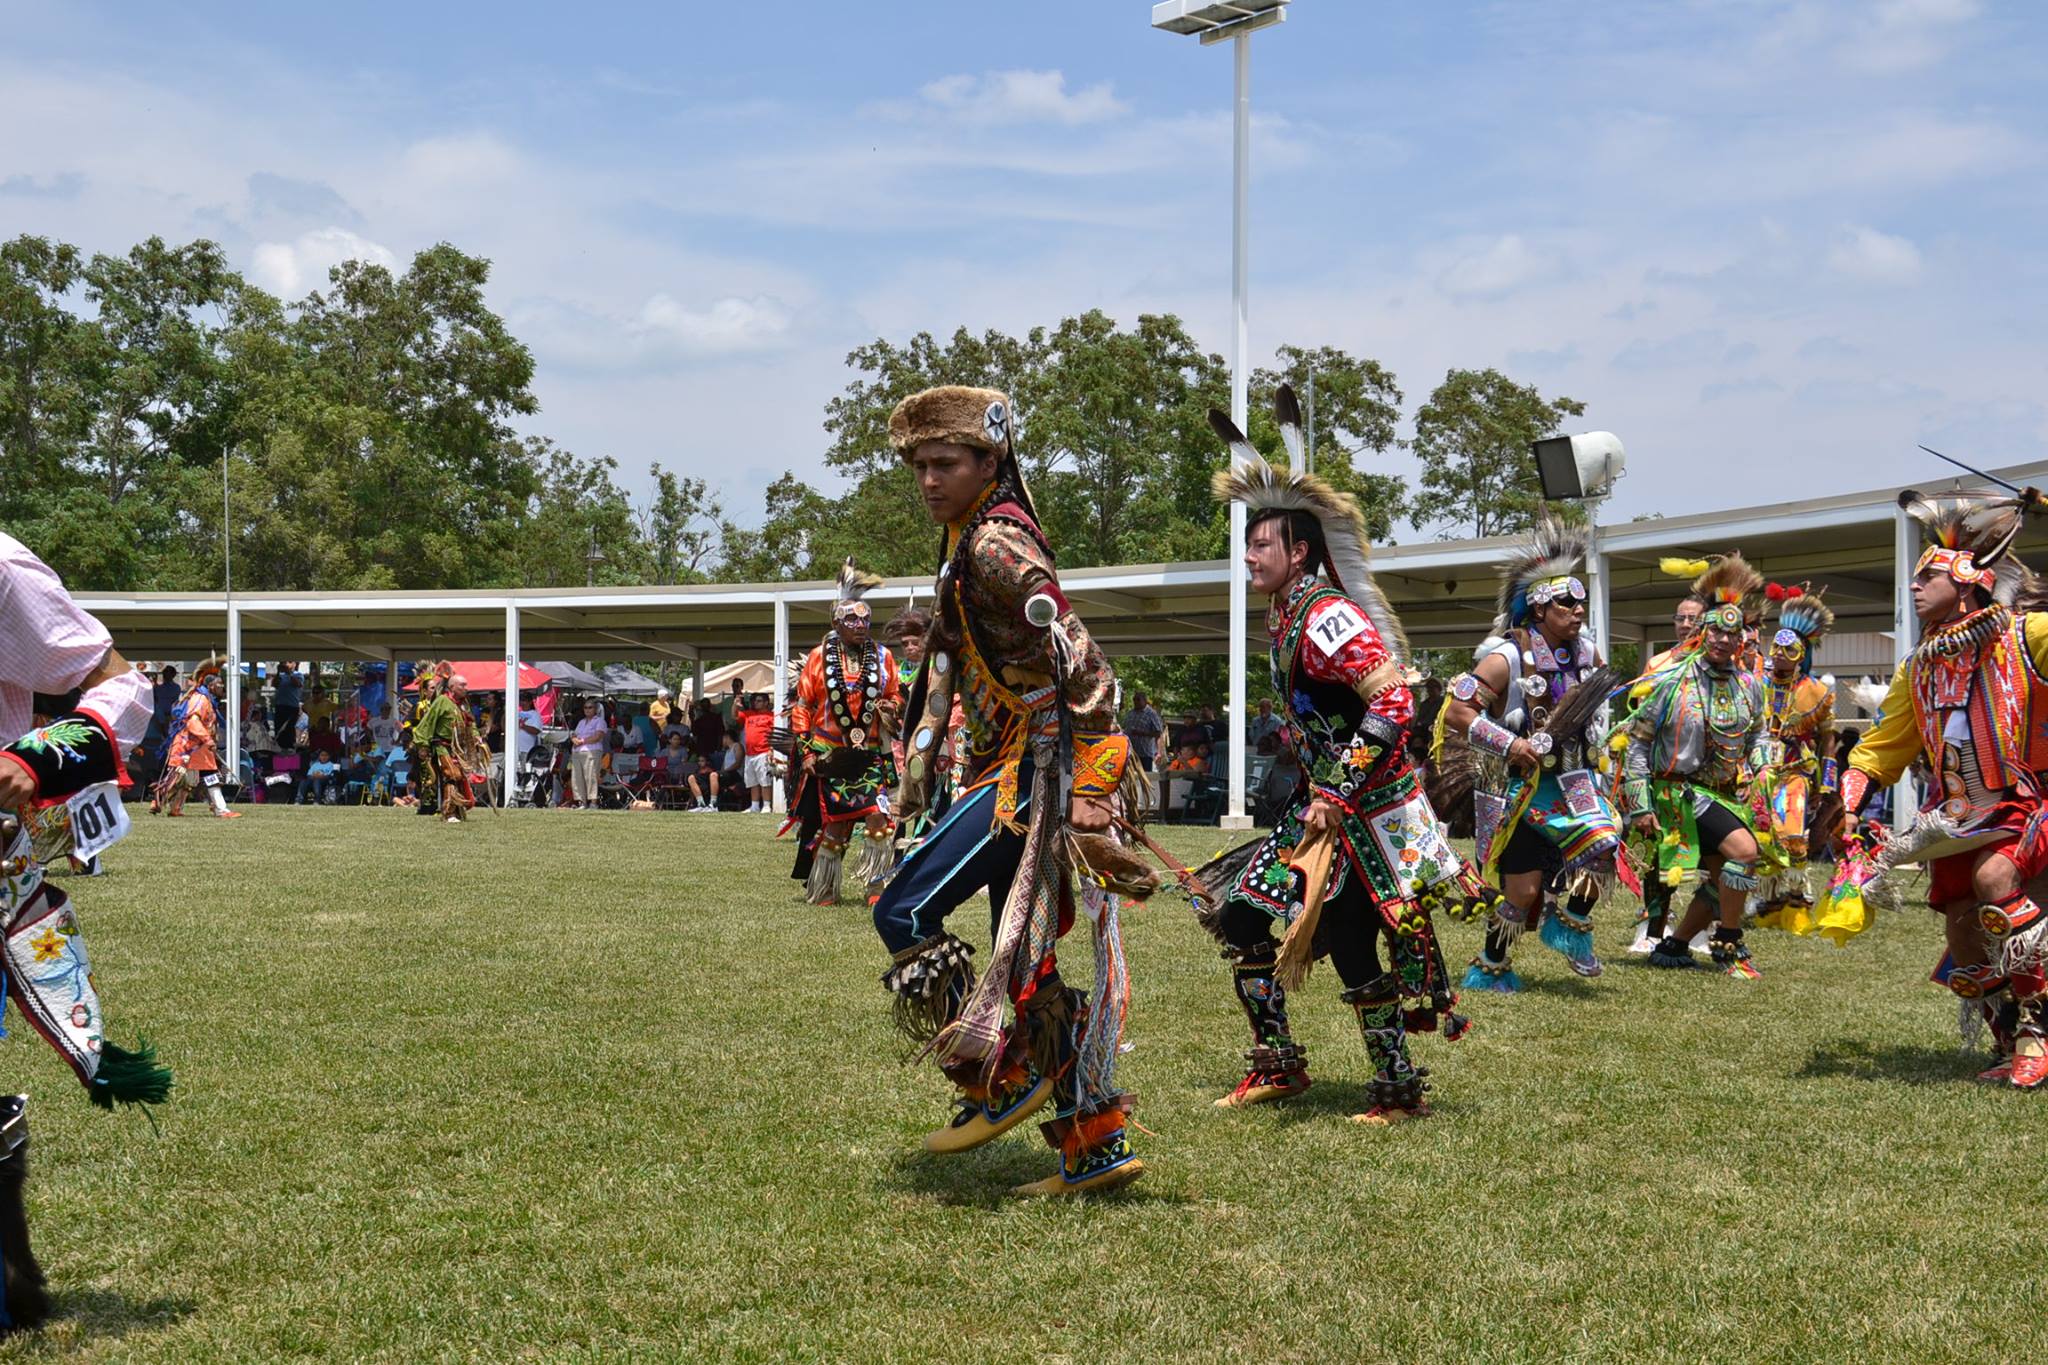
(1213, 21)
(1579, 467)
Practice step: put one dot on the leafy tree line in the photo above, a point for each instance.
(369, 432)
(367, 428)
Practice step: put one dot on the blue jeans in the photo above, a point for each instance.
(964, 852)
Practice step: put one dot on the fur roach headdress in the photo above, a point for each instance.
(1729, 581)
(910, 623)
(1540, 572)
(981, 418)
(1970, 536)
(1803, 621)
(853, 586)
(1260, 487)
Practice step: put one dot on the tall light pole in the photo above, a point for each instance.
(1213, 23)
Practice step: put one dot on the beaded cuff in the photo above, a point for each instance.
(1490, 736)
(1099, 763)
(1855, 790)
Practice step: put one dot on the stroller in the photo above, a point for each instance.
(540, 770)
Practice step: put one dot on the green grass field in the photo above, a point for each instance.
(602, 1085)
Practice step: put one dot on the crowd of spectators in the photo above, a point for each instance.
(713, 757)
(310, 739)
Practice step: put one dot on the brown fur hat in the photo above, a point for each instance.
(971, 417)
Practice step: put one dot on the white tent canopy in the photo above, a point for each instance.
(755, 675)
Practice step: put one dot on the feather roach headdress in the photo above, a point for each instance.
(1543, 570)
(1729, 581)
(1254, 482)
(1970, 537)
(1803, 622)
(853, 586)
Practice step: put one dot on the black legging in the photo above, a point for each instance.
(1350, 928)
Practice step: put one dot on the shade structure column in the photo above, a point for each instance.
(231, 723)
(1599, 608)
(1905, 627)
(510, 782)
(776, 800)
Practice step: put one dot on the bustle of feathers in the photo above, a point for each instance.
(1552, 550)
(1986, 524)
(1253, 481)
(854, 583)
(1728, 578)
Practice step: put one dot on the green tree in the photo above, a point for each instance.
(1473, 437)
(680, 527)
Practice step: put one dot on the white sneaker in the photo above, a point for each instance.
(1643, 943)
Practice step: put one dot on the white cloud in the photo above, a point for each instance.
(1502, 266)
(1022, 97)
(1864, 253)
(728, 325)
(467, 158)
(1899, 35)
(289, 269)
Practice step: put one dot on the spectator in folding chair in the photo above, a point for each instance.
(321, 773)
(672, 773)
(703, 780)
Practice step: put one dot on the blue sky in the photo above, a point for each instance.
(1771, 243)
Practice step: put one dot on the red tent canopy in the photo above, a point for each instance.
(488, 675)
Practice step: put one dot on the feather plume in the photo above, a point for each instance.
(1681, 568)
(1580, 706)
(1551, 551)
(1259, 486)
(1287, 411)
(854, 583)
(1984, 523)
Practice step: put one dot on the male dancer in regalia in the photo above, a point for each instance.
(1358, 861)
(848, 698)
(1693, 739)
(1043, 766)
(441, 734)
(59, 788)
(1685, 624)
(1973, 699)
(1532, 712)
(1799, 776)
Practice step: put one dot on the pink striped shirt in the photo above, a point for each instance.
(48, 644)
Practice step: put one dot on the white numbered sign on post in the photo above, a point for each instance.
(98, 819)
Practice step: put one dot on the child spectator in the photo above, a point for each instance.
(320, 778)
